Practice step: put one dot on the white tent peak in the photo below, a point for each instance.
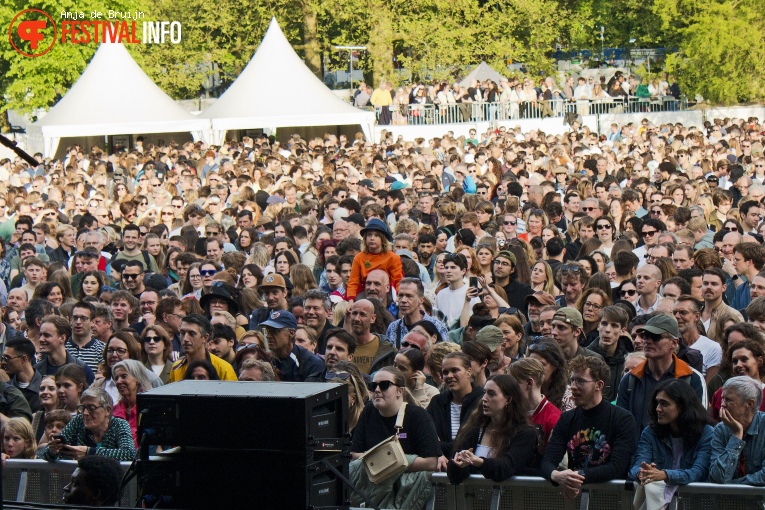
(115, 96)
(276, 89)
(483, 71)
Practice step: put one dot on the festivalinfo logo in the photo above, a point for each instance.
(34, 32)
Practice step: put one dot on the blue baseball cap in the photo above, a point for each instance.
(280, 319)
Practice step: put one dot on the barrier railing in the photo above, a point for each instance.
(429, 113)
(39, 481)
(533, 493)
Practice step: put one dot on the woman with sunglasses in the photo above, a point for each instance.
(411, 362)
(606, 232)
(418, 439)
(156, 350)
(628, 290)
(497, 441)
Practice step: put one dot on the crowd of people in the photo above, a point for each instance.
(515, 98)
(582, 307)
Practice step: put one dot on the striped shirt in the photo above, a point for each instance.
(91, 353)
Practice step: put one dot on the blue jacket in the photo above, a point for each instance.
(694, 466)
(727, 449)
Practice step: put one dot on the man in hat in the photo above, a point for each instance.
(567, 330)
(295, 363)
(535, 302)
(274, 290)
(355, 224)
(660, 336)
(195, 332)
(503, 269)
(492, 337)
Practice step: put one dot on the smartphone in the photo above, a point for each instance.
(474, 281)
(60, 438)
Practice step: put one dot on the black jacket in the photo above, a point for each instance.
(615, 364)
(439, 410)
(516, 294)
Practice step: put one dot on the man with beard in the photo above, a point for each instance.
(503, 268)
(274, 290)
(712, 288)
(597, 438)
(95, 482)
(492, 337)
(536, 302)
(687, 313)
(371, 352)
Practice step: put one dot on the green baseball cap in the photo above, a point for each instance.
(569, 316)
(661, 324)
(490, 336)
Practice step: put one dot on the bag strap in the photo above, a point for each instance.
(350, 484)
(400, 418)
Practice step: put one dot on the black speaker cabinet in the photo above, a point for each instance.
(205, 479)
(278, 416)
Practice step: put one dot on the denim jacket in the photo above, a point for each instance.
(727, 448)
(694, 466)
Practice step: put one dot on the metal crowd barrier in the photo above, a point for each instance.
(429, 113)
(533, 493)
(39, 481)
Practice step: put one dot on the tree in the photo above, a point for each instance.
(722, 52)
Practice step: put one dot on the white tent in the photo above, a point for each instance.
(483, 72)
(276, 89)
(115, 97)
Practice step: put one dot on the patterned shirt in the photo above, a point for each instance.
(117, 442)
(91, 354)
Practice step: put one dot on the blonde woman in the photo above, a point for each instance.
(542, 279)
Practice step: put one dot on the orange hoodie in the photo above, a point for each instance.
(364, 263)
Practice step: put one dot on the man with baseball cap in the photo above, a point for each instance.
(660, 336)
(535, 302)
(503, 270)
(274, 290)
(566, 330)
(295, 363)
(492, 337)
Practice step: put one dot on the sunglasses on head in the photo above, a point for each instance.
(570, 268)
(337, 375)
(383, 385)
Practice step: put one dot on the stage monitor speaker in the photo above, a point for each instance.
(278, 416)
(205, 479)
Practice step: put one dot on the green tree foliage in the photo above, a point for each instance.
(27, 84)
(722, 52)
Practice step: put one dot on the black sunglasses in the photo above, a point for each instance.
(383, 385)
(130, 276)
(409, 344)
(570, 268)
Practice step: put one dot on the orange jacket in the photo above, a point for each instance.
(364, 263)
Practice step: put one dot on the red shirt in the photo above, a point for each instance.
(545, 416)
(717, 400)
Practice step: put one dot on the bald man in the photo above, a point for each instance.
(377, 286)
(416, 340)
(648, 284)
(372, 353)
(17, 300)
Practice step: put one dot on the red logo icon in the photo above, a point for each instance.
(30, 33)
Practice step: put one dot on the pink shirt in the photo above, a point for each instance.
(120, 411)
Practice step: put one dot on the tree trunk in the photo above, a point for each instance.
(380, 44)
(311, 38)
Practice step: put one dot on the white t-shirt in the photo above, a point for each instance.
(450, 302)
(711, 352)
